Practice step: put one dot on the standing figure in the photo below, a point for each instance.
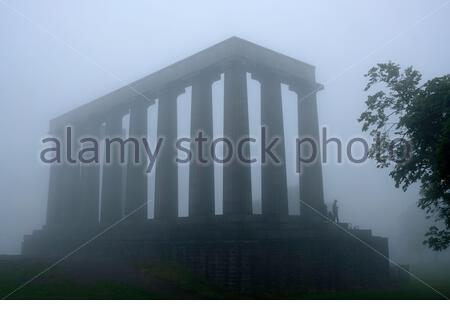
(334, 211)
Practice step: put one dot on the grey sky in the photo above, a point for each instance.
(41, 77)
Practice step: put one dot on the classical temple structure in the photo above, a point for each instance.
(237, 249)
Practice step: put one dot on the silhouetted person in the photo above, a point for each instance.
(334, 211)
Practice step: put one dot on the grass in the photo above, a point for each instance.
(187, 282)
(412, 291)
(168, 281)
(55, 285)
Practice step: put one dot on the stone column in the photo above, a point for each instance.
(90, 178)
(111, 207)
(201, 171)
(237, 189)
(136, 186)
(166, 175)
(56, 184)
(71, 181)
(274, 196)
(311, 183)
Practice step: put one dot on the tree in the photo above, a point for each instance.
(410, 124)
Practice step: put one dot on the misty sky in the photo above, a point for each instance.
(57, 55)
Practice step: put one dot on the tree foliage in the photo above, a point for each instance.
(410, 124)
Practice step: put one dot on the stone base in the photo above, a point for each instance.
(247, 254)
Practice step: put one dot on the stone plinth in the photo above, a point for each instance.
(245, 254)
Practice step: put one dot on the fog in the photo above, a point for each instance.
(57, 55)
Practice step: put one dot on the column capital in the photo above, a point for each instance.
(173, 89)
(303, 88)
(206, 77)
(142, 100)
(236, 62)
(114, 114)
(263, 75)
